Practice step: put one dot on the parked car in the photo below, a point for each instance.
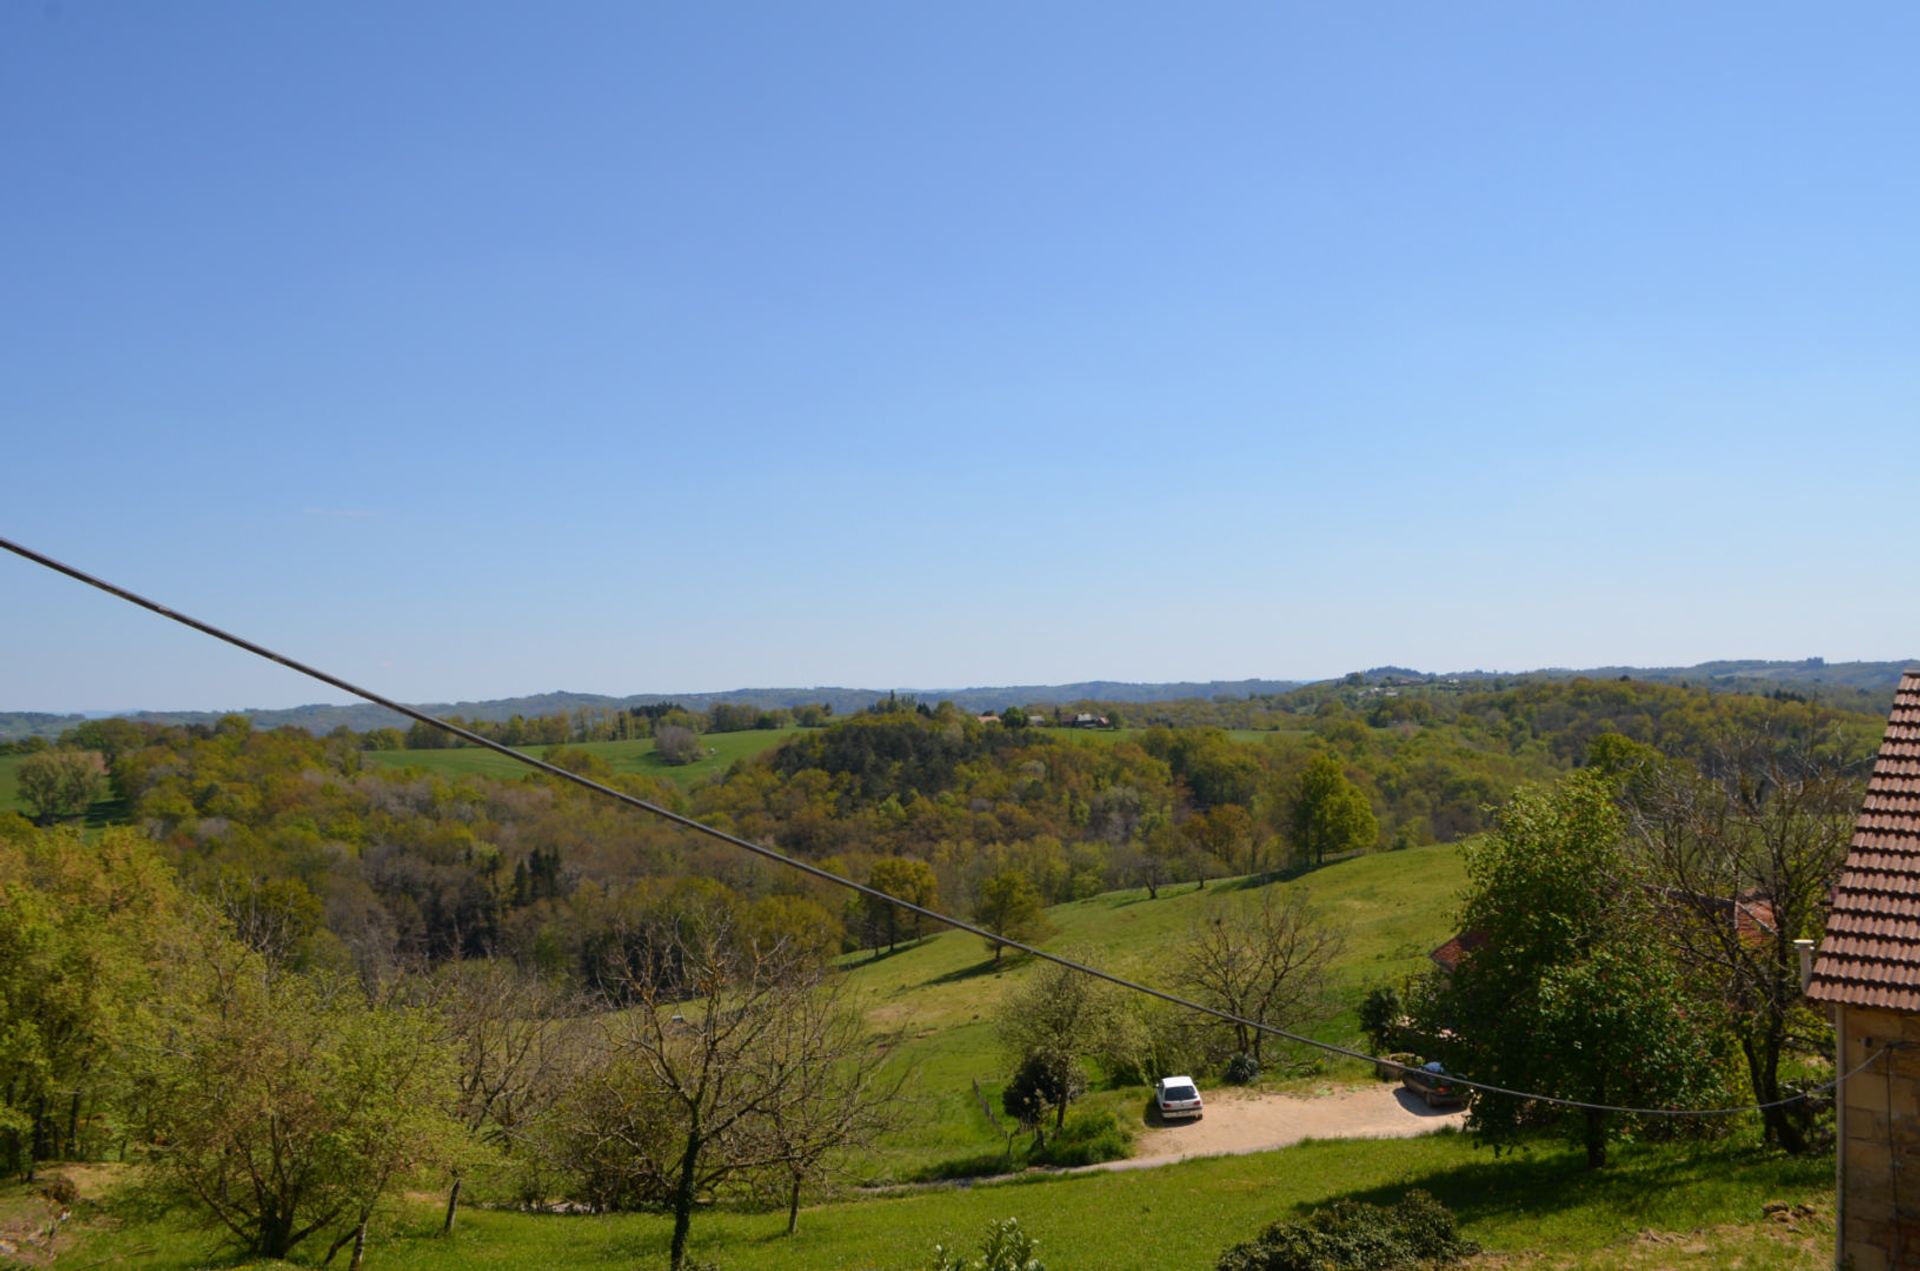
(1177, 1097)
(1431, 1082)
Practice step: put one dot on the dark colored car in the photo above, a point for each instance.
(1431, 1082)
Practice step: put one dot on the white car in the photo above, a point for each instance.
(1177, 1097)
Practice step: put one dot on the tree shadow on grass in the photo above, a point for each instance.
(1531, 1185)
(958, 974)
(105, 812)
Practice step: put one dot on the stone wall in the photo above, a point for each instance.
(1880, 1143)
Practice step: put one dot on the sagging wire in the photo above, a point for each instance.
(828, 876)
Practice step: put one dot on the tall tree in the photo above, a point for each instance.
(1742, 856)
(707, 1066)
(60, 783)
(908, 878)
(511, 1036)
(1263, 958)
(1572, 994)
(1329, 814)
(1010, 906)
(289, 1106)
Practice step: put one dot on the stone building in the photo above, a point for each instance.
(1868, 974)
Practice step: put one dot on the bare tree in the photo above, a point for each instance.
(703, 1083)
(1740, 857)
(510, 1034)
(844, 1097)
(1263, 958)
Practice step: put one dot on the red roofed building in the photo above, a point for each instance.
(1449, 955)
(1868, 974)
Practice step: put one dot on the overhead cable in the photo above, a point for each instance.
(828, 876)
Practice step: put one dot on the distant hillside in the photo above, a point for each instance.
(17, 724)
(1864, 686)
(323, 719)
(1855, 685)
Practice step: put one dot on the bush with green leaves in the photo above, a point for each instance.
(1043, 1083)
(1087, 1139)
(1004, 1248)
(1242, 1070)
(1381, 1013)
(1351, 1235)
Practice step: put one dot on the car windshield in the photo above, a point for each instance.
(1180, 1094)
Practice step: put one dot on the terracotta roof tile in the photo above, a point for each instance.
(1871, 953)
(1449, 955)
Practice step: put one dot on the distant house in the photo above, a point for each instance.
(1751, 915)
(1084, 720)
(988, 718)
(1449, 955)
(1868, 974)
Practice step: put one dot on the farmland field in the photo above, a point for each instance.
(622, 756)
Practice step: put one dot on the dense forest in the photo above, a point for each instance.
(247, 921)
(365, 867)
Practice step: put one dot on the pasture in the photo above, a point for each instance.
(622, 756)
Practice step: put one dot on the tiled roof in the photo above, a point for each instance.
(1449, 955)
(1871, 953)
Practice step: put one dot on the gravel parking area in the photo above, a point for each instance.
(1238, 1122)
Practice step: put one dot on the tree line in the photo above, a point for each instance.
(284, 1103)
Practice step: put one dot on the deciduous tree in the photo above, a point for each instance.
(1010, 906)
(908, 878)
(58, 783)
(1329, 815)
(1742, 856)
(1264, 958)
(289, 1106)
(1573, 993)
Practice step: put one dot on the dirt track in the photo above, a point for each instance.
(1237, 1123)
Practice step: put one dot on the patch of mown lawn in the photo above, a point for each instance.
(1540, 1207)
(621, 756)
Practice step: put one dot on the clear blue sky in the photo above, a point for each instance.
(478, 349)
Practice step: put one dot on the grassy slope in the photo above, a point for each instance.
(1542, 1203)
(940, 993)
(622, 756)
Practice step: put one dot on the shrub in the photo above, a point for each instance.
(1350, 1235)
(1004, 1248)
(1380, 1015)
(676, 745)
(1242, 1070)
(1087, 1139)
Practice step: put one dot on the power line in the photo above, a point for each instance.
(828, 876)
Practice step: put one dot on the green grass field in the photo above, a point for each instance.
(10, 784)
(621, 756)
(939, 995)
(1659, 1206)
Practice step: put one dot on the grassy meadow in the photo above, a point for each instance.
(1658, 1206)
(622, 756)
(938, 995)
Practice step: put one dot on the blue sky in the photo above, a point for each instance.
(478, 349)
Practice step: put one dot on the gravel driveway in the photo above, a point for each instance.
(1237, 1122)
